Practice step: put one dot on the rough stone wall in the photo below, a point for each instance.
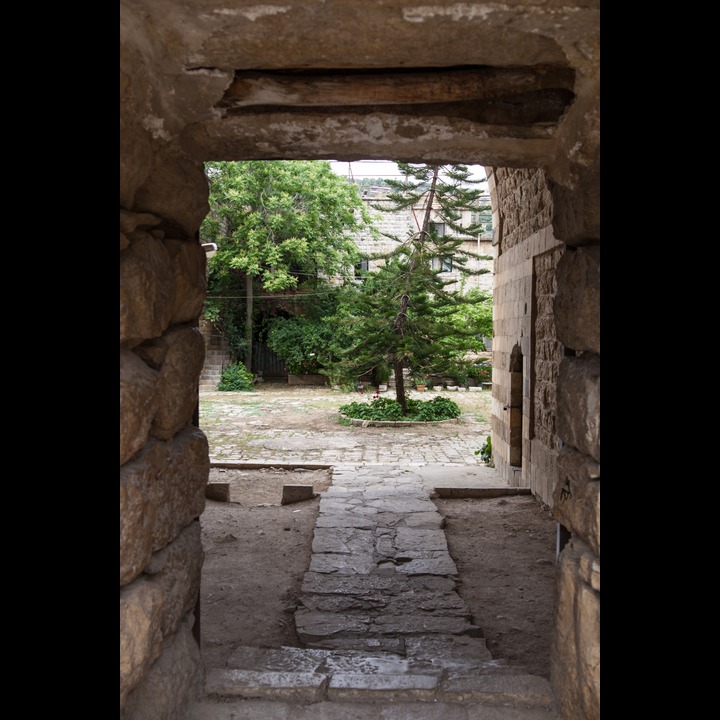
(164, 466)
(541, 457)
(164, 462)
(546, 303)
(526, 254)
(575, 670)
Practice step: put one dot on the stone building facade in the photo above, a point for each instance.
(513, 87)
(402, 222)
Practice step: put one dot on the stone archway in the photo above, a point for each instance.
(526, 98)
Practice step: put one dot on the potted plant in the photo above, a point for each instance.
(420, 382)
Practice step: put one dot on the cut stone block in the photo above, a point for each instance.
(480, 492)
(219, 491)
(296, 493)
(303, 686)
(356, 686)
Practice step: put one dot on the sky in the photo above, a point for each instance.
(382, 169)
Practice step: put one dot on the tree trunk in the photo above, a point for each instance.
(401, 317)
(400, 385)
(249, 322)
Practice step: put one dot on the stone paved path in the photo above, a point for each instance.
(385, 633)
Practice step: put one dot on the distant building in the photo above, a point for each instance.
(403, 222)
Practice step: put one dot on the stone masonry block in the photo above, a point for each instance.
(138, 403)
(147, 290)
(166, 482)
(578, 412)
(177, 383)
(577, 302)
(296, 493)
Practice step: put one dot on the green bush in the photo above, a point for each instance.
(481, 372)
(236, 377)
(383, 408)
(485, 452)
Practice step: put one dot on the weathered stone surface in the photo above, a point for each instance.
(141, 607)
(356, 686)
(138, 403)
(499, 688)
(147, 290)
(588, 633)
(176, 571)
(296, 493)
(448, 650)
(135, 156)
(590, 571)
(576, 216)
(576, 498)
(574, 654)
(577, 302)
(437, 564)
(298, 686)
(132, 221)
(341, 520)
(420, 624)
(189, 265)
(172, 683)
(219, 491)
(578, 420)
(162, 491)
(281, 659)
(177, 383)
(342, 540)
(370, 584)
(341, 564)
(416, 539)
(402, 504)
(176, 189)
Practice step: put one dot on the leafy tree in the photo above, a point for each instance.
(279, 226)
(404, 311)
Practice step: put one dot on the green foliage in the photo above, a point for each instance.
(403, 314)
(381, 373)
(384, 408)
(473, 318)
(236, 378)
(285, 222)
(485, 452)
(481, 372)
(280, 226)
(299, 342)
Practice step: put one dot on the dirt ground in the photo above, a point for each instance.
(257, 551)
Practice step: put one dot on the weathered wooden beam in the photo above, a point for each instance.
(391, 88)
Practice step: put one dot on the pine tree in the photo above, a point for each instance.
(400, 316)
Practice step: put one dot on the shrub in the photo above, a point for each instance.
(383, 408)
(485, 452)
(236, 377)
(481, 372)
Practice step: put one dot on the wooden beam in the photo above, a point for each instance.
(391, 88)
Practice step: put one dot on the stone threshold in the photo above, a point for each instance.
(479, 492)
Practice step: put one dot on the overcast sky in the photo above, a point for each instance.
(382, 169)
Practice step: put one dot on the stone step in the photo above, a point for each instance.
(263, 709)
(307, 675)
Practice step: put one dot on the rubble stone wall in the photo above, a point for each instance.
(164, 460)
(546, 307)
